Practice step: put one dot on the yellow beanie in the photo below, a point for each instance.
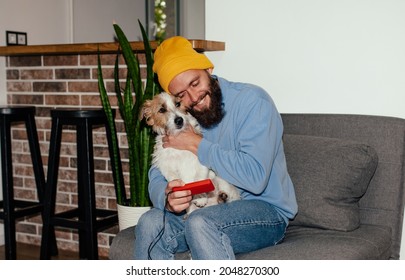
(174, 56)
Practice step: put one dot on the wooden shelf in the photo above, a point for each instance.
(93, 48)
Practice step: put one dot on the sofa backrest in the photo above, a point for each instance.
(383, 203)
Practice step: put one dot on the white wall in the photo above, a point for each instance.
(45, 21)
(70, 21)
(342, 56)
(92, 19)
(192, 19)
(323, 56)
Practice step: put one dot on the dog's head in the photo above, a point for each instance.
(166, 115)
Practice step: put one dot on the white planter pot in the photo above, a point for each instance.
(128, 216)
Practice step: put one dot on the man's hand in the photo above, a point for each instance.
(185, 140)
(177, 201)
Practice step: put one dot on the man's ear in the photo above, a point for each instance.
(209, 70)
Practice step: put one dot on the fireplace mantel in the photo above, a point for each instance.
(94, 48)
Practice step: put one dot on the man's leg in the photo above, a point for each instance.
(155, 241)
(221, 231)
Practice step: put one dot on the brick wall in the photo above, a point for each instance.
(67, 81)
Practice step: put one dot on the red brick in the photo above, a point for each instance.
(62, 60)
(19, 61)
(83, 86)
(49, 86)
(90, 100)
(38, 74)
(19, 86)
(65, 99)
(23, 99)
(105, 59)
(72, 74)
(13, 74)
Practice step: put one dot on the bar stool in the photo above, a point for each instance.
(14, 209)
(86, 218)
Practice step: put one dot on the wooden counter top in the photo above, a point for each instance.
(92, 48)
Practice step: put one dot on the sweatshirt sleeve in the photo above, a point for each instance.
(256, 132)
(157, 186)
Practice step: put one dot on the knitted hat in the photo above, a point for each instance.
(174, 56)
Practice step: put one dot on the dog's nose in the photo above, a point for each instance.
(179, 122)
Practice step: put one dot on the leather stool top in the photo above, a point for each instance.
(74, 113)
(15, 110)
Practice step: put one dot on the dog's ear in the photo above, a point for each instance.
(146, 112)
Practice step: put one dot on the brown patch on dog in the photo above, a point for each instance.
(222, 197)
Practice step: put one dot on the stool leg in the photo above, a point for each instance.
(38, 167)
(8, 191)
(35, 155)
(86, 187)
(48, 231)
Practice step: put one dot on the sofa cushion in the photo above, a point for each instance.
(330, 176)
(368, 242)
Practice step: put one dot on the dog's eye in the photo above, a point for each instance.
(177, 104)
(162, 110)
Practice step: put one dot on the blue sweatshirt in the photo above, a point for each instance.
(245, 149)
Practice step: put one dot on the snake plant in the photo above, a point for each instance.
(139, 135)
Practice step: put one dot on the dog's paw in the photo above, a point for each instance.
(200, 203)
(200, 200)
(222, 197)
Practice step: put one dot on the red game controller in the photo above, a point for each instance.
(197, 187)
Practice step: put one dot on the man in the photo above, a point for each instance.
(242, 143)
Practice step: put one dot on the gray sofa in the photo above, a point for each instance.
(348, 171)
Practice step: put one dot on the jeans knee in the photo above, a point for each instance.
(149, 222)
(196, 224)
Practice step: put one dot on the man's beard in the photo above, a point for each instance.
(213, 115)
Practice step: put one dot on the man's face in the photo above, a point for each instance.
(192, 88)
(200, 94)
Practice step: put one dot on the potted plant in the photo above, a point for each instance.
(139, 135)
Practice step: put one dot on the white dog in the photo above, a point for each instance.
(166, 117)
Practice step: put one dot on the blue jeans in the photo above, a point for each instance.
(215, 232)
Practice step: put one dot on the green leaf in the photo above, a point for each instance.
(114, 148)
(150, 81)
(140, 137)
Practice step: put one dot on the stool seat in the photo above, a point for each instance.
(86, 218)
(17, 111)
(70, 114)
(13, 209)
